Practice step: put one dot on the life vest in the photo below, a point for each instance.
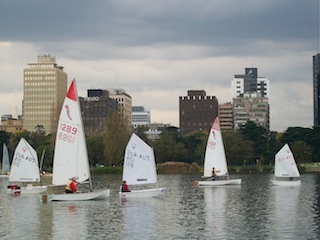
(68, 187)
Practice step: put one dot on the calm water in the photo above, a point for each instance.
(255, 210)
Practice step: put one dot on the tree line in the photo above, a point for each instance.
(250, 145)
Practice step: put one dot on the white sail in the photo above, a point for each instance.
(25, 165)
(285, 165)
(70, 155)
(215, 154)
(139, 163)
(5, 159)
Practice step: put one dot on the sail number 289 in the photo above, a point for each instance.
(67, 133)
(68, 128)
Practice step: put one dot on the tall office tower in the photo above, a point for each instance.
(45, 87)
(95, 110)
(140, 116)
(124, 103)
(226, 116)
(249, 83)
(197, 111)
(316, 90)
(251, 107)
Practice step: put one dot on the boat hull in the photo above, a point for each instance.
(96, 195)
(145, 193)
(29, 190)
(211, 183)
(286, 183)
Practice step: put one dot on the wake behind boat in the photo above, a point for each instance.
(215, 157)
(139, 169)
(25, 169)
(286, 172)
(70, 155)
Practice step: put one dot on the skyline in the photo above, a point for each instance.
(157, 51)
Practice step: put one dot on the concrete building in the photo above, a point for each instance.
(197, 111)
(95, 109)
(45, 87)
(250, 82)
(316, 90)
(155, 129)
(11, 124)
(226, 116)
(251, 107)
(124, 103)
(140, 116)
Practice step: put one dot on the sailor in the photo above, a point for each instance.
(71, 186)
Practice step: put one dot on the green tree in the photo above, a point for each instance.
(196, 146)
(115, 138)
(95, 149)
(169, 148)
(238, 150)
(259, 136)
(302, 152)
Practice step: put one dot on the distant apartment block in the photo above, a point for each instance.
(316, 89)
(44, 89)
(124, 103)
(252, 107)
(155, 129)
(250, 82)
(226, 116)
(95, 109)
(11, 125)
(140, 116)
(197, 111)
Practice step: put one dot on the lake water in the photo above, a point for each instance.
(254, 210)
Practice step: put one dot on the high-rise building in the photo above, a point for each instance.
(124, 103)
(95, 110)
(316, 89)
(226, 116)
(140, 116)
(197, 111)
(250, 83)
(251, 107)
(45, 86)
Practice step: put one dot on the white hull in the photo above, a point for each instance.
(29, 190)
(210, 183)
(142, 193)
(96, 195)
(286, 183)
(4, 176)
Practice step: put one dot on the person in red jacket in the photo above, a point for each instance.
(124, 187)
(71, 186)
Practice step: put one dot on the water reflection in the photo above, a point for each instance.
(254, 210)
(286, 207)
(139, 218)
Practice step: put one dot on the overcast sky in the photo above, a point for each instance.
(158, 50)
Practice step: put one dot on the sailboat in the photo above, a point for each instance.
(25, 169)
(5, 162)
(286, 172)
(70, 154)
(139, 169)
(215, 157)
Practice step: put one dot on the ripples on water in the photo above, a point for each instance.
(254, 210)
